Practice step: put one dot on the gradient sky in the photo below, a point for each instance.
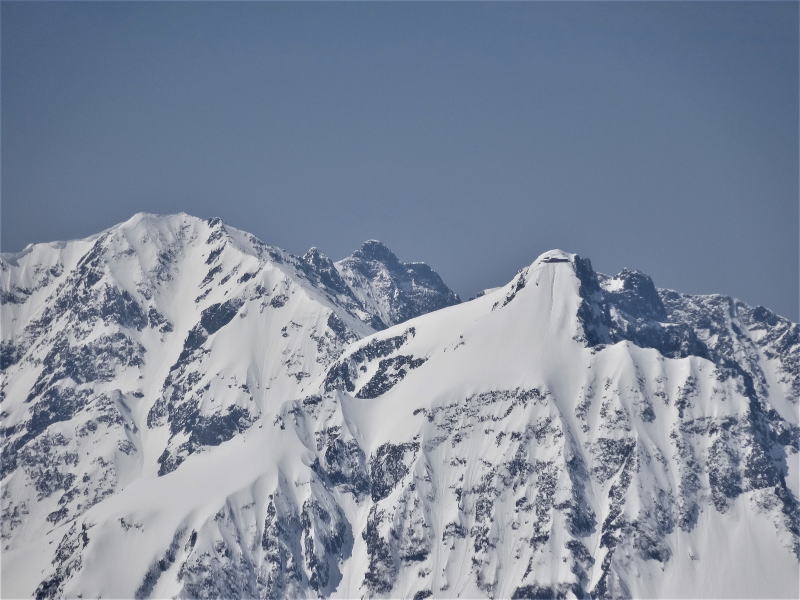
(472, 136)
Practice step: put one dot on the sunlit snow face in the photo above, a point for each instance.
(203, 410)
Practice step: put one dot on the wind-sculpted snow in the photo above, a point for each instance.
(188, 412)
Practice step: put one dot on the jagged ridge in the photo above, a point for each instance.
(188, 411)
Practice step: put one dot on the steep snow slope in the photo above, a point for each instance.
(127, 352)
(566, 434)
(522, 445)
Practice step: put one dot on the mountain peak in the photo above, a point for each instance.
(554, 256)
(228, 408)
(376, 250)
(315, 257)
(393, 290)
(149, 218)
(636, 292)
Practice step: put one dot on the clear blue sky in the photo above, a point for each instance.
(660, 136)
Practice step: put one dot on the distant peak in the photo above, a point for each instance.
(140, 217)
(375, 250)
(148, 218)
(367, 244)
(636, 293)
(634, 278)
(314, 257)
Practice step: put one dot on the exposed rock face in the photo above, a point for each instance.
(189, 412)
(394, 291)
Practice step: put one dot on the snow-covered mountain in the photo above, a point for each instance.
(189, 412)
